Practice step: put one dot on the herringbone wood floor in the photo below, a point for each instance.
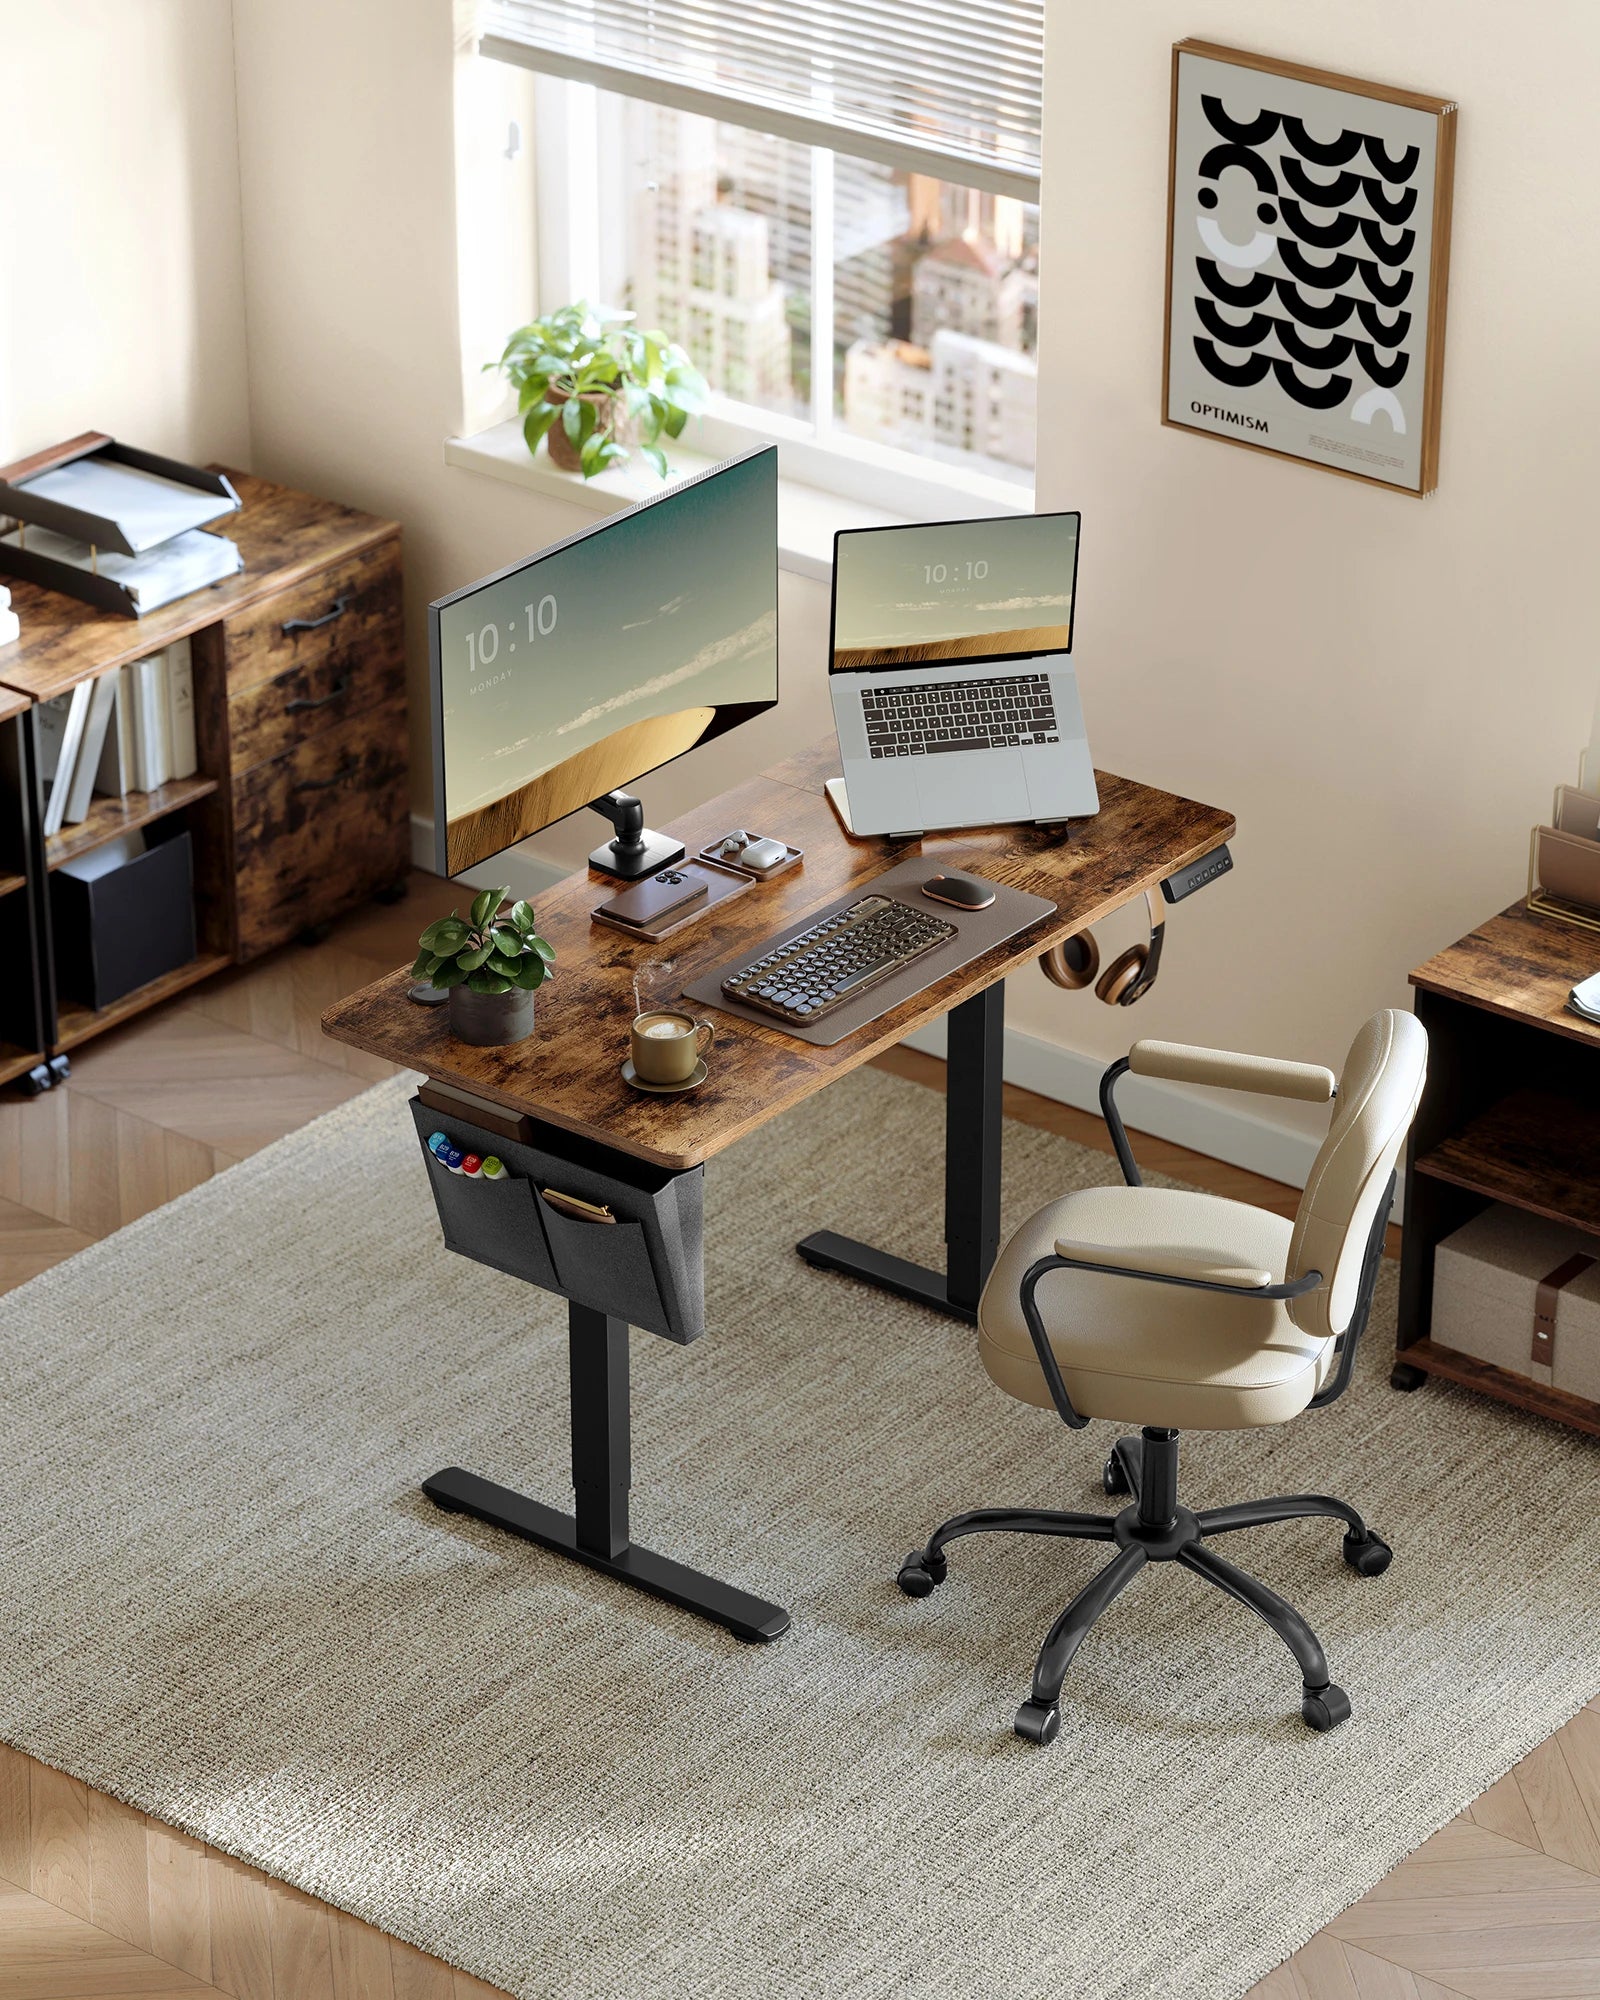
(1503, 1904)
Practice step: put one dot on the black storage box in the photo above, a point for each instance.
(128, 926)
(645, 1267)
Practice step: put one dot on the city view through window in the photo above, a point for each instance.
(733, 241)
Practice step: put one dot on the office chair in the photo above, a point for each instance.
(1176, 1310)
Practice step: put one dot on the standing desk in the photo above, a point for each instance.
(566, 1077)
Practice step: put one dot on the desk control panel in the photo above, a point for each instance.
(834, 960)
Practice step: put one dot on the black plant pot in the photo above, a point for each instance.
(490, 1020)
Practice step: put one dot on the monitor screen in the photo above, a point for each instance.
(938, 592)
(582, 669)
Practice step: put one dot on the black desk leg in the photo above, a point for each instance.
(597, 1532)
(972, 1118)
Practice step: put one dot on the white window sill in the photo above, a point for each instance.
(808, 516)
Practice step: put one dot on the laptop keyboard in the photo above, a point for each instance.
(919, 720)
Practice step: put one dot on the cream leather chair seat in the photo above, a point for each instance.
(1219, 1364)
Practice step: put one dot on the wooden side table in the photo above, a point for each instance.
(1511, 1114)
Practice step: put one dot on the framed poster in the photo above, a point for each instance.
(1308, 248)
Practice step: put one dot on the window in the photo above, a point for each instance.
(831, 203)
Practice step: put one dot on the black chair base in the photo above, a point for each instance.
(1155, 1528)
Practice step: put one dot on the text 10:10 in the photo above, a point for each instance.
(972, 572)
(483, 647)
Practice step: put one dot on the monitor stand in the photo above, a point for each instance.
(636, 851)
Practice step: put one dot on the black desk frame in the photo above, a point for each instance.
(596, 1532)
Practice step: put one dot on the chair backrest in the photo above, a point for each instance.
(1378, 1095)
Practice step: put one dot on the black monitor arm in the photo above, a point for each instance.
(636, 851)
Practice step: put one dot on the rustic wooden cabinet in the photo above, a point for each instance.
(1511, 1114)
(299, 808)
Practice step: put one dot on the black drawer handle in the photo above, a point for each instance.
(298, 707)
(340, 606)
(349, 765)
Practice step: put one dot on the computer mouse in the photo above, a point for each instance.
(961, 892)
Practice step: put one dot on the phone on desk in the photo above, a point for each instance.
(647, 902)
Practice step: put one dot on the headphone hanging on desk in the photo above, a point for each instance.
(1075, 962)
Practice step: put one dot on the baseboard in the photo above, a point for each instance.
(1204, 1122)
(529, 875)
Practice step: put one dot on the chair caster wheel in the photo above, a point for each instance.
(919, 1575)
(1404, 1376)
(1114, 1479)
(1038, 1722)
(1325, 1708)
(1370, 1557)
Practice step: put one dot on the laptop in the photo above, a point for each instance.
(951, 672)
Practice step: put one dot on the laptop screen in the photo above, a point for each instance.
(939, 592)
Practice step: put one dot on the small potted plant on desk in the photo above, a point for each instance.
(491, 963)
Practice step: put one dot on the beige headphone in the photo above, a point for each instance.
(1076, 960)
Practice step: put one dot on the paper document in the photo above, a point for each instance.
(188, 562)
(147, 508)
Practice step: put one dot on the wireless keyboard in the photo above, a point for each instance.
(836, 959)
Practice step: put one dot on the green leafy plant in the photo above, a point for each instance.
(587, 378)
(491, 950)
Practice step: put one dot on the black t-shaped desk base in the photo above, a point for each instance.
(596, 1532)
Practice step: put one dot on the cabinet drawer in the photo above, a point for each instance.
(347, 612)
(342, 683)
(316, 830)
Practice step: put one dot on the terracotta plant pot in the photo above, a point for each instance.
(490, 1020)
(609, 415)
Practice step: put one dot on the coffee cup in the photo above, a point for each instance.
(667, 1045)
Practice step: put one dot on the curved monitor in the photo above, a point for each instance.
(580, 670)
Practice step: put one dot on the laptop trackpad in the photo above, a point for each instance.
(972, 788)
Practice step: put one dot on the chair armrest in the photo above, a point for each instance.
(1167, 1260)
(1178, 1062)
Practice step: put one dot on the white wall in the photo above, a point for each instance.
(121, 300)
(1383, 689)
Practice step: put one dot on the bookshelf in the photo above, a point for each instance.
(1511, 1113)
(280, 689)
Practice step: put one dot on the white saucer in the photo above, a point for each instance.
(631, 1076)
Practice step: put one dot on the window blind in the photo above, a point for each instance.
(943, 87)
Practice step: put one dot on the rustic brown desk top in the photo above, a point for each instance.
(282, 536)
(11, 703)
(1521, 965)
(567, 1074)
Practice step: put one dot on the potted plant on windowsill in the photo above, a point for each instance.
(591, 385)
(491, 963)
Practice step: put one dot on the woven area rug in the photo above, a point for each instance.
(223, 1599)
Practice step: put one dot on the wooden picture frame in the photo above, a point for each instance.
(1249, 132)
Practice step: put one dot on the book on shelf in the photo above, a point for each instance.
(151, 732)
(102, 699)
(58, 735)
(115, 771)
(182, 757)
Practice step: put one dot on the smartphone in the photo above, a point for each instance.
(647, 902)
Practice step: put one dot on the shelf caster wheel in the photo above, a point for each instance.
(391, 892)
(919, 1575)
(1404, 1376)
(1114, 1479)
(1370, 1557)
(1325, 1708)
(1040, 1721)
(36, 1082)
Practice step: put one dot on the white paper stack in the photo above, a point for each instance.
(10, 629)
(1584, 999)
(172, 569)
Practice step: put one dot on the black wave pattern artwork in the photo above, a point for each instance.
(1335, 215)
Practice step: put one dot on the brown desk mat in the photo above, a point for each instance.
(977, 931)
